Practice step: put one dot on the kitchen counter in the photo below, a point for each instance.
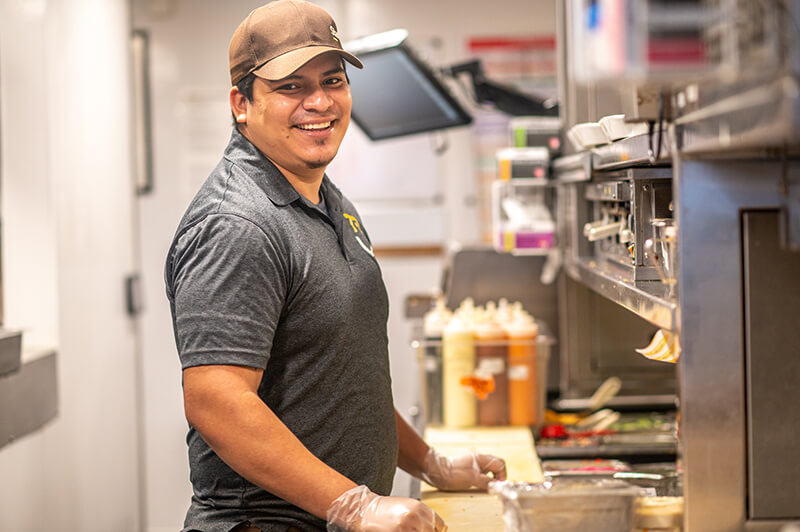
(476, 511)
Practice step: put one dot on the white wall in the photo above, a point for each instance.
(67, 227)
(67, 235)
(191, 124)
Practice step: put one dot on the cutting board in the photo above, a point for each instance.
(477, 511)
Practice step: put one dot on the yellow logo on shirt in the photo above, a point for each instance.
(357, 229)
(353, 222)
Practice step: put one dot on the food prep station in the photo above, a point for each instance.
(690, 230)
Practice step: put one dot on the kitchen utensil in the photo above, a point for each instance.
(600, 420)
(661, 249)
(604, 393)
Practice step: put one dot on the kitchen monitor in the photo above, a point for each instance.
(396, 94)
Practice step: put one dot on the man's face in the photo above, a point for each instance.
(299, 122)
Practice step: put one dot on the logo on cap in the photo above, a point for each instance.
(334, 33)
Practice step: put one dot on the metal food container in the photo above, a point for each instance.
(567, 505)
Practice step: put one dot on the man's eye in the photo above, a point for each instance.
(288, 87)
(334, 81)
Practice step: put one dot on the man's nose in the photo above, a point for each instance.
(318, 99)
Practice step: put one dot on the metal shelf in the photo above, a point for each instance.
(660, 449)
(28, 397)
(650, 300)
(573, 168)
(631, 151)
(10, 350)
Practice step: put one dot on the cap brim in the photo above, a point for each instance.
(285, 65)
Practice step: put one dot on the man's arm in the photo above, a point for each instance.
(449, 474)
(413, 449)
(222, 404)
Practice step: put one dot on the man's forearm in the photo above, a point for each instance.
(412, 448)
(253, 441)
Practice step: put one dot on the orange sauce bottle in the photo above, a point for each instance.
(523, 392)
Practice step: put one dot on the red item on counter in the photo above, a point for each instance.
(554, 432)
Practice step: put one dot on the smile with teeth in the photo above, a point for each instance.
(321, 125)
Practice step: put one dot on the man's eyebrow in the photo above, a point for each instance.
(295, 77)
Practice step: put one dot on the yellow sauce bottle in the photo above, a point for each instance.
(458, 361)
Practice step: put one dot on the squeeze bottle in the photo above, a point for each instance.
(459, 361)
(491, 354)
(523, 390)
(435, 321)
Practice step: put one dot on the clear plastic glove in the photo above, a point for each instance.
(360, 510)
(462, 472)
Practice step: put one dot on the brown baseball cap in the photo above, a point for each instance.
(279, 37)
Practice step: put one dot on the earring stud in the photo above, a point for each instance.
(242, 118)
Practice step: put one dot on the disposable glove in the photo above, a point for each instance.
(360, 510)
(462, 472)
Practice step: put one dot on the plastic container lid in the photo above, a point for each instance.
(437, 319)
(565, 488)
(522, 327)
(458, 326)
(488, 328)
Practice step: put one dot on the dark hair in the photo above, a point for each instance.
(245, 87)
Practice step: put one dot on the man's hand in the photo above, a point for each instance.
(462, 472)
(360, 510)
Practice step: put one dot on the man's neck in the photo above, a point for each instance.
(306, 185)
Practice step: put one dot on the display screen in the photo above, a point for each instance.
(396, 94)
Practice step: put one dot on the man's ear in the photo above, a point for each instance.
(238, 103)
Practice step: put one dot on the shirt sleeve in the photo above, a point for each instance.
(229, 288)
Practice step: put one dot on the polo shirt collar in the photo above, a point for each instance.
(266, 175)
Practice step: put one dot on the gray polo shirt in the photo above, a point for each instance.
(258, 276)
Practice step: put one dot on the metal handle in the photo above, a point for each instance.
(601, 229)
(653, 256)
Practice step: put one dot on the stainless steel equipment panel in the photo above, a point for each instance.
(772, 355)
(713, 370)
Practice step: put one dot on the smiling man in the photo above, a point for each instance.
(279, 312)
